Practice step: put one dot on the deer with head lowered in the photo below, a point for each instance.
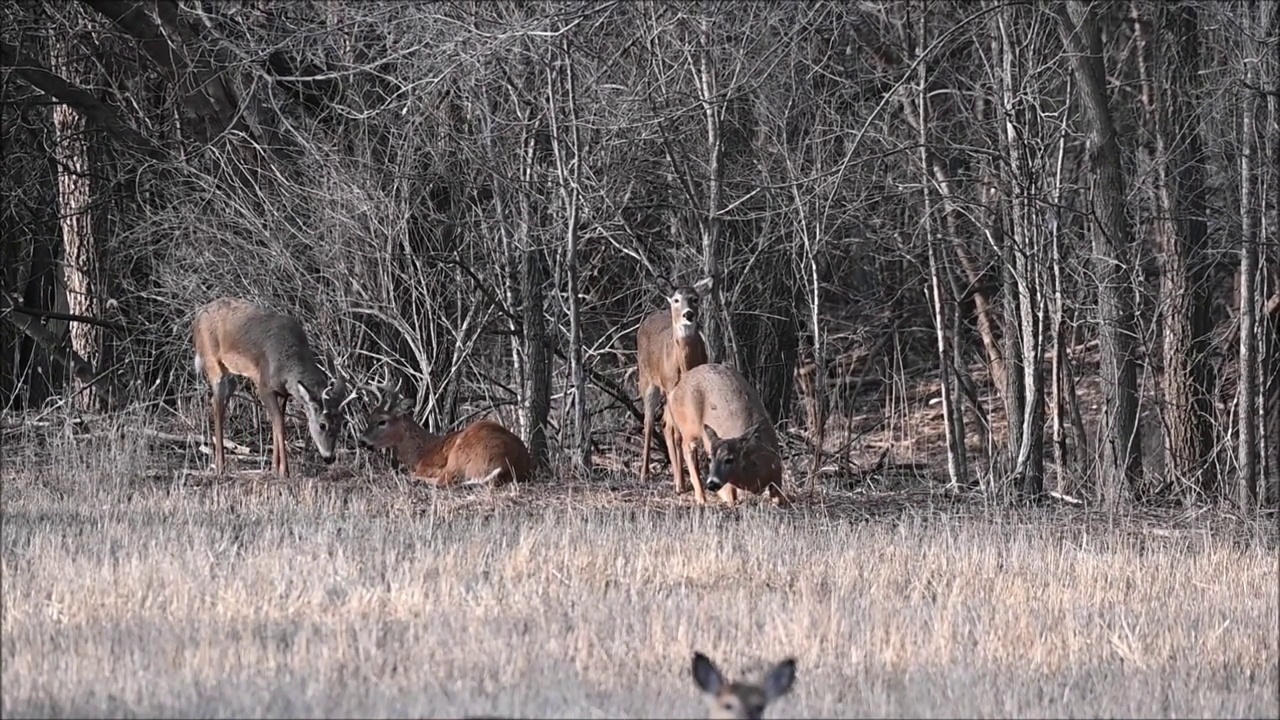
(669, 344)
(484, 452)
(714, 404)
(235, 337)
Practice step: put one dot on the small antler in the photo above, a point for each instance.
(385, 393)
(337, 380)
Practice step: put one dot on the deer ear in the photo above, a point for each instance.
(710, 434)
(753, 432)
(704, 284)
(706, 674)
(403, 406)
(305, 395)
(778, 682)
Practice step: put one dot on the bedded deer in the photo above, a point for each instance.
(235, 337)
(669, 343)
(739, 699)
(713, 403)
(729, 699)
(482, 452)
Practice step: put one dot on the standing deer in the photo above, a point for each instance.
(715, 404)
(483, 452)
(236, 337)
(741, 700)
(668, 344)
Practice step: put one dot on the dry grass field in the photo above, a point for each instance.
(130, 589)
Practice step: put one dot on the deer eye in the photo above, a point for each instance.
(382, 423)
(324, 426)
(728, 461)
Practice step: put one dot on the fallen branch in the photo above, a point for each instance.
(69, 317)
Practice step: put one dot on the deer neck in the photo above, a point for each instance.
(690, 349)
(416, 442)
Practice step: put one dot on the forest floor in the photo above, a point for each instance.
(135, 586)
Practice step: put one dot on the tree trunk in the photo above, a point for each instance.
(567, 145)
(1246, 446)
(715, 324)
(80, 254)
(535, 406)
(1111, 243)
(952, 411)
(1181, 235)
(1270, 70)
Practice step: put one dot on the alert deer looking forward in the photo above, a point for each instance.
(236, 337)
(729, 699)
(483, 452)
(715, 404)
(738, 699)
(669, 343)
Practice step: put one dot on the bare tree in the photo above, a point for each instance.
(1111, 241)
(567, 147)
(80, 260)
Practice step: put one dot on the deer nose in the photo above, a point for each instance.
(714, 483)
(689, 316)
(328, 459)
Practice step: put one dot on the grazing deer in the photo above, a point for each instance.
(483, 452)
(741, 700)
(668, 344)
(236, 337)
(715, 404)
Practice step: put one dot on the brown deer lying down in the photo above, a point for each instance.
(483, 452)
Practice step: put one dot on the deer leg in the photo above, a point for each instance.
(673, 453)
(649, 397)
(729, 495)
(220, 391)
(280, 463)
(778, 497)
(699, 495)
(284, 419)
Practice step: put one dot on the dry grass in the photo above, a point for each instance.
(128, 592)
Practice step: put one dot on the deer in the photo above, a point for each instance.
(669, 343)
(714, 404)
(483, 452)
(726, 699)
(737, 699)
(237, 338)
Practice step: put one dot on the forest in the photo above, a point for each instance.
(982, 206)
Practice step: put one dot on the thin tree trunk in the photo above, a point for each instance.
(1270, 70)
(718, 339)
(567, 148)
(1246, 381)
(957, 464)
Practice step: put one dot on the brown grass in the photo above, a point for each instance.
(128, 589)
